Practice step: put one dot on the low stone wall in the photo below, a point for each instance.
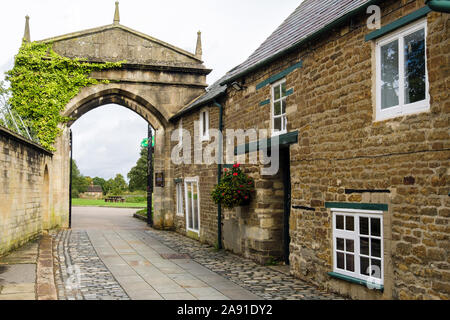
(29, 203)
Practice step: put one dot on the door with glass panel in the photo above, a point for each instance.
(192, 205)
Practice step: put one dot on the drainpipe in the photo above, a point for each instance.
(439, 5)
(219, 176)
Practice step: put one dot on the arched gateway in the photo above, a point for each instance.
(156, 81)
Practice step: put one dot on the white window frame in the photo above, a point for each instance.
(355, 236)
(283, 116)
(196, 181)
(180, 202)
(402, 109)
(204, 136)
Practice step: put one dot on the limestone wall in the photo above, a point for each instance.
(31, 197)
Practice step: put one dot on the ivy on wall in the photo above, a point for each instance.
(43, 83)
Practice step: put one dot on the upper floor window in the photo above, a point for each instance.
(279, 119)
(204, 125)
(180, 133)
(402, 79)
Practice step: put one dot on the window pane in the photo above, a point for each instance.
(196, 208)
(276, 92)
(284, 123)
(277, 124)
(375, 227)
(340, 222)
(349, 223)
(376, 248)
(415, 67)
(204, 123)
(364, 246)
(277, 108)
(283, 109)
(364, 226)
(283, 89)
(350, 246)
(340, 244)
(389, 75)
(375, 265)
(340, 261)
(365, 266)
(350, 262)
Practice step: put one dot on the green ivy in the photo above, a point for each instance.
(235, 188)
(43, 83)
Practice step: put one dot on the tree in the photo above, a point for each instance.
(138, 174)
(120, 185)
(79, 183)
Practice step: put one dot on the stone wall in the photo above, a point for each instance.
(401, 162)
(29, 201)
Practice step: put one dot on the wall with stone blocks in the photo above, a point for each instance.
(29, 201)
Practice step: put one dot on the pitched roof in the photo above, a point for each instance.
(212, 92)
(309, 18)
(97, 189)
(124, 28)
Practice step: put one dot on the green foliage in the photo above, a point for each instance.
(100, 182)
(79, 183)
(136, 199)
(43, 83)
(138, 174)
(235, 189)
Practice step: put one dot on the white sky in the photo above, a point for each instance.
(106, 140)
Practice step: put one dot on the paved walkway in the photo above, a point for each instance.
(110, 255)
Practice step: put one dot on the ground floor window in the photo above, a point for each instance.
(192, 205)
(179, 199)
(358, 244)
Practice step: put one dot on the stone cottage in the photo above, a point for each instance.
(92, 192)
(360, 116)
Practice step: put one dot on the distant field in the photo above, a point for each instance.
(102, 203)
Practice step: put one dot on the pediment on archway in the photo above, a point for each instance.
(115, 42)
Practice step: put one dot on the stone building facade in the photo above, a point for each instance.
(358, 186)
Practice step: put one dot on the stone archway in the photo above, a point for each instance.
(156, 81)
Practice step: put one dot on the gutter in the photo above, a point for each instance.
(219, 176)
(439, 5)
(195, 107)
(298, 44)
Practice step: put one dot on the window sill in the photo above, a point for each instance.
(381, 116)
(356, 281)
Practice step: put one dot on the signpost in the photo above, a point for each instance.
(145, 144)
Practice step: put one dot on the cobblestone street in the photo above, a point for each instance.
(138, 263)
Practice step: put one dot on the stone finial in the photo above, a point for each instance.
(117, 14)
(26, 34)
(198, 49)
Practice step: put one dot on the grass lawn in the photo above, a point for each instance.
(102, 203)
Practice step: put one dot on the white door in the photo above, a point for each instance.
(192, 205)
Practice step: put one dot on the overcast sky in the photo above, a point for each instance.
(106, 140)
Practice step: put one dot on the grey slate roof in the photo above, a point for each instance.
(310, 17)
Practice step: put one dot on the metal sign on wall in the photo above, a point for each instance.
(159, 179)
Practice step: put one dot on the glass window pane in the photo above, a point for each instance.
(340, 222)
(284, 123)
(195, 208)
(283, 109)
(389, 75)
(364, 226)
(276, 92)
(364, 246)
(350, 223)
(277, 108)
(277, 124)
(375, 227)
(283, 89)
(350, 262)
(375, 266)
(415, 67)
(364, 266)
(340, 261)
(350, 246)
(376, 248)
(340, 244)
